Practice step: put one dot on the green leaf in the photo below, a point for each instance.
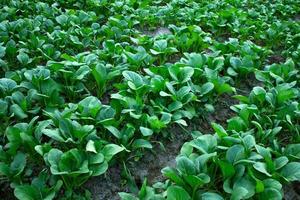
(18, 112)
(224, 88)
(53, 157)
(110, 150)
(177, 193)
(205, 143)
(175, 106)
(231, 71)
(186, 74)
(293, 150)
(3, 108)
(134, 78)
(23, 58)
(98, 170)
(90, 146)
(236, 124)
(227, 168)
(96, 158)
(54, 134)
(141, 143)
(249, 141)
(195, 60)
(159, 47)
(27, 192)
(100, 74)
(271, 193)
(172, 174)
(211, 196)
(181, 74)
(89, 106)
(7, 85)
(126, 196)
(261, 167)
(2, 51)
(114, 131)
(62, 19)
(206, 88)
(259, 93)
(185, 165)
(146, 131)
(239, 193)
(291, 171)
(82, 72)
(285, 92)
(219, 130)
(235, 62)
(243, 188)
(235, 153)
(18, 164)
(280, 162)
(197, 181)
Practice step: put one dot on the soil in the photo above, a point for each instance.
(108, 186)
(291, 192)
(152, 162)
(275, 59)
(157, 32)
(297, 17)
(6, 191)
(246, 85)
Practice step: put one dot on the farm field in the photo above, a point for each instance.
(149, 100)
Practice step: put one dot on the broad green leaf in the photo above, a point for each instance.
(174, 106)
(293, 150)
(141, 143)
(54, 134)
(90, 146)
(27, 192)
(7, 85)
(243, 188)
(126, 196)
(173, 175)
(2, 51)
(110, 150)
(100, 74)
(98, 170)
(177, 193)
(18, 164)
(206, 88)
(62, 19)
(227, 169)
(23, 58)
(211, 196)
(18, 112)
(291, 171)
(262, 167)
(185, 165)
(219, 130)
(114, 131)
(89, 106)
(134, 78)
(146, 131)
(235, 62)
(235, 153)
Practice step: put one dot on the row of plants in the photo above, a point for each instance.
(270, 24)
(252, 158)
